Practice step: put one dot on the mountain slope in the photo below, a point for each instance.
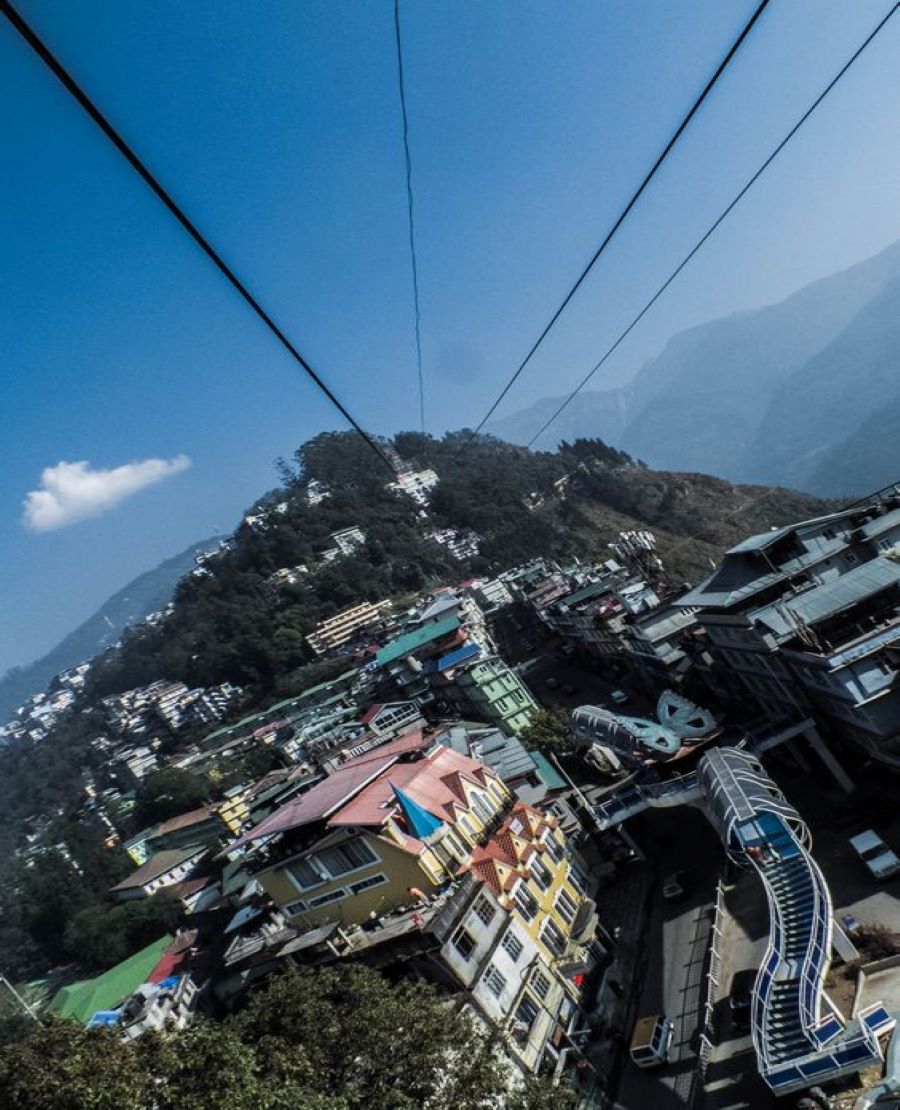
(145, 594)
(842, 393)
(730, 397)
(235, 624)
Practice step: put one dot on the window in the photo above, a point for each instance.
(554, 848)
(497, 792)
(526, 902)
(542, 876)
(463, 941)
(566, 907)
(512, 946)
(365, 884)
(540, 984)
(304, 874)
(553, 938)
(349, 856)
(484, 909)
(481, 806)
(527, 1011)
(494, 981)
(324, 899)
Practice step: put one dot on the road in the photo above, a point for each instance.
(674, 947)
(535, 655)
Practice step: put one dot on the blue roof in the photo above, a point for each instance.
(419, 821)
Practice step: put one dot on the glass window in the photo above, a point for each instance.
(554, 848)
(324, 899)
(365, 884)
(527, 1010)
(304, 874)
(484, 909)
(526, 902)
(346, 857)
(463, 942)
(512, 946)
(553, 938)
(494, 980)
(566, 907)
(542, 876)
(540, 984)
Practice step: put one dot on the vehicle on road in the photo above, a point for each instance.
(619, 697)
(651, 1040)
(740, 997)
(850, 924)
(675, 887)
(881, 860)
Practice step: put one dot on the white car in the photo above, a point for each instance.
(881, 861)
(619, 697)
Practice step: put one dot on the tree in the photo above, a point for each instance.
(334, 1039)
(548, 731)
(101, 936)
(169, 793)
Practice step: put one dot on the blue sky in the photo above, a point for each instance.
(276, 124)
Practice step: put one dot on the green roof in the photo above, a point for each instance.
(404, 645)
(82, 1000)
(547, 773)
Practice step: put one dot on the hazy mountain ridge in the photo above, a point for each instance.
(145, 594)
(770, 395)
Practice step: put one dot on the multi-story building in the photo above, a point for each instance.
(403, 818)
(508, 938)
(331, 634)
(805, 618)
(345, 542)
(416, 484)
(440, 665)
(491, 691)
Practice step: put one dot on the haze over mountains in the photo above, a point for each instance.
(804, 393)
(143, 595)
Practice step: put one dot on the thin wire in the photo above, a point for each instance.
(69, 82)
(720, 219)
(411, 219)
(623, 215)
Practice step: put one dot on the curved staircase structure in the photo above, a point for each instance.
(799, 1036)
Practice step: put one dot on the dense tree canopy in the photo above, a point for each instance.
(332, 1039)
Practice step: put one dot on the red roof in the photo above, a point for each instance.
(322, 799)
(434, 782)
(183, 820)
(371, 712)
(408, 742)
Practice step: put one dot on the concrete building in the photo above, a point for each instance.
(805, 618)
(331, 634)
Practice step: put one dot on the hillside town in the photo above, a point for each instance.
(476, 798)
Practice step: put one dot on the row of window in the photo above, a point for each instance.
(331, 863)
(336, 895)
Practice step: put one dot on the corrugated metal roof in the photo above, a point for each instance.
(82, 1000)
(831, 597)
(158, 865)
(404, 645)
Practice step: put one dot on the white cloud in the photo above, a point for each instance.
(70, 492)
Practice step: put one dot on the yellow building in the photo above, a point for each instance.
(526, 865)
(233, 810)
(383, 830)
(337, 630)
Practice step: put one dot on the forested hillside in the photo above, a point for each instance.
(145, 594)
(233, 622)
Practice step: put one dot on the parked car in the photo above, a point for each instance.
(651, 1041)
(676, 886)
(850, 924)
(740, 997)
(881, 860)
(619, 697)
